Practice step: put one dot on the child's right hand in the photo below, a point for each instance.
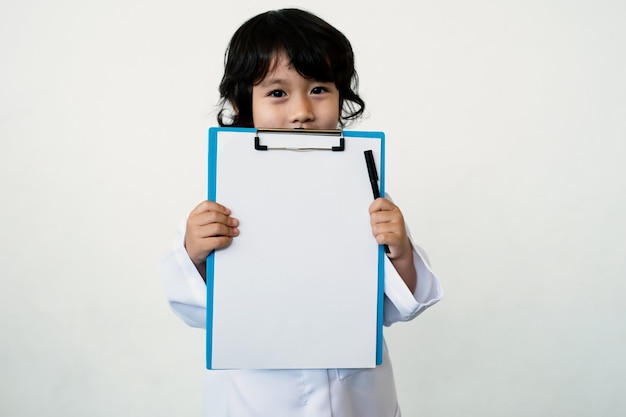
(209, 227)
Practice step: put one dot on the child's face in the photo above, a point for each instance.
(285, 99)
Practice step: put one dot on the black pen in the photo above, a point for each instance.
(371, 170)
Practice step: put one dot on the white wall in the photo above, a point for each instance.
(506, 127)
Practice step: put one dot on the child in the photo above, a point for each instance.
(290, 69)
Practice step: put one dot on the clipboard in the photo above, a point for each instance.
(302, 286)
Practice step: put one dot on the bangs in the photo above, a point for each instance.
(307, 46)
(313, 63)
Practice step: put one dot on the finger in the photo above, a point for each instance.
(384, 217)
(208, 205)
(387, 227)
(390, 233)
(199, 249)
(397, 243)
(214, 243)
(381, 204)
(214, 230)
(385, 239)
(393, 218)
(209, 217)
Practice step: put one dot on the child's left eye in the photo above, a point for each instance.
(318, 90)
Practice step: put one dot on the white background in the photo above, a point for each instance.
(506, 128)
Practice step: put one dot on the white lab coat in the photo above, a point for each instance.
(306, 392)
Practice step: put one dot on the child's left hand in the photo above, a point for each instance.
(388, 229)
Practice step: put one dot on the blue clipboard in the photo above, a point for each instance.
(288, 293)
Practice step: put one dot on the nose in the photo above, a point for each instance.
(301, 110)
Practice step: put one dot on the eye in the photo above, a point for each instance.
(319, 90)
(276, 93)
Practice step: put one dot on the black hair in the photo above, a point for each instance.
(314, 48)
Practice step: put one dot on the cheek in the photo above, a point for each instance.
(332, 117)
(257, 103)
(334, 112)
(258, 114)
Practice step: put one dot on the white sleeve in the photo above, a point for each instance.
(184, 287)
(402, 305)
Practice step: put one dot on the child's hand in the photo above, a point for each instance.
(209, 227)
(388, 229)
